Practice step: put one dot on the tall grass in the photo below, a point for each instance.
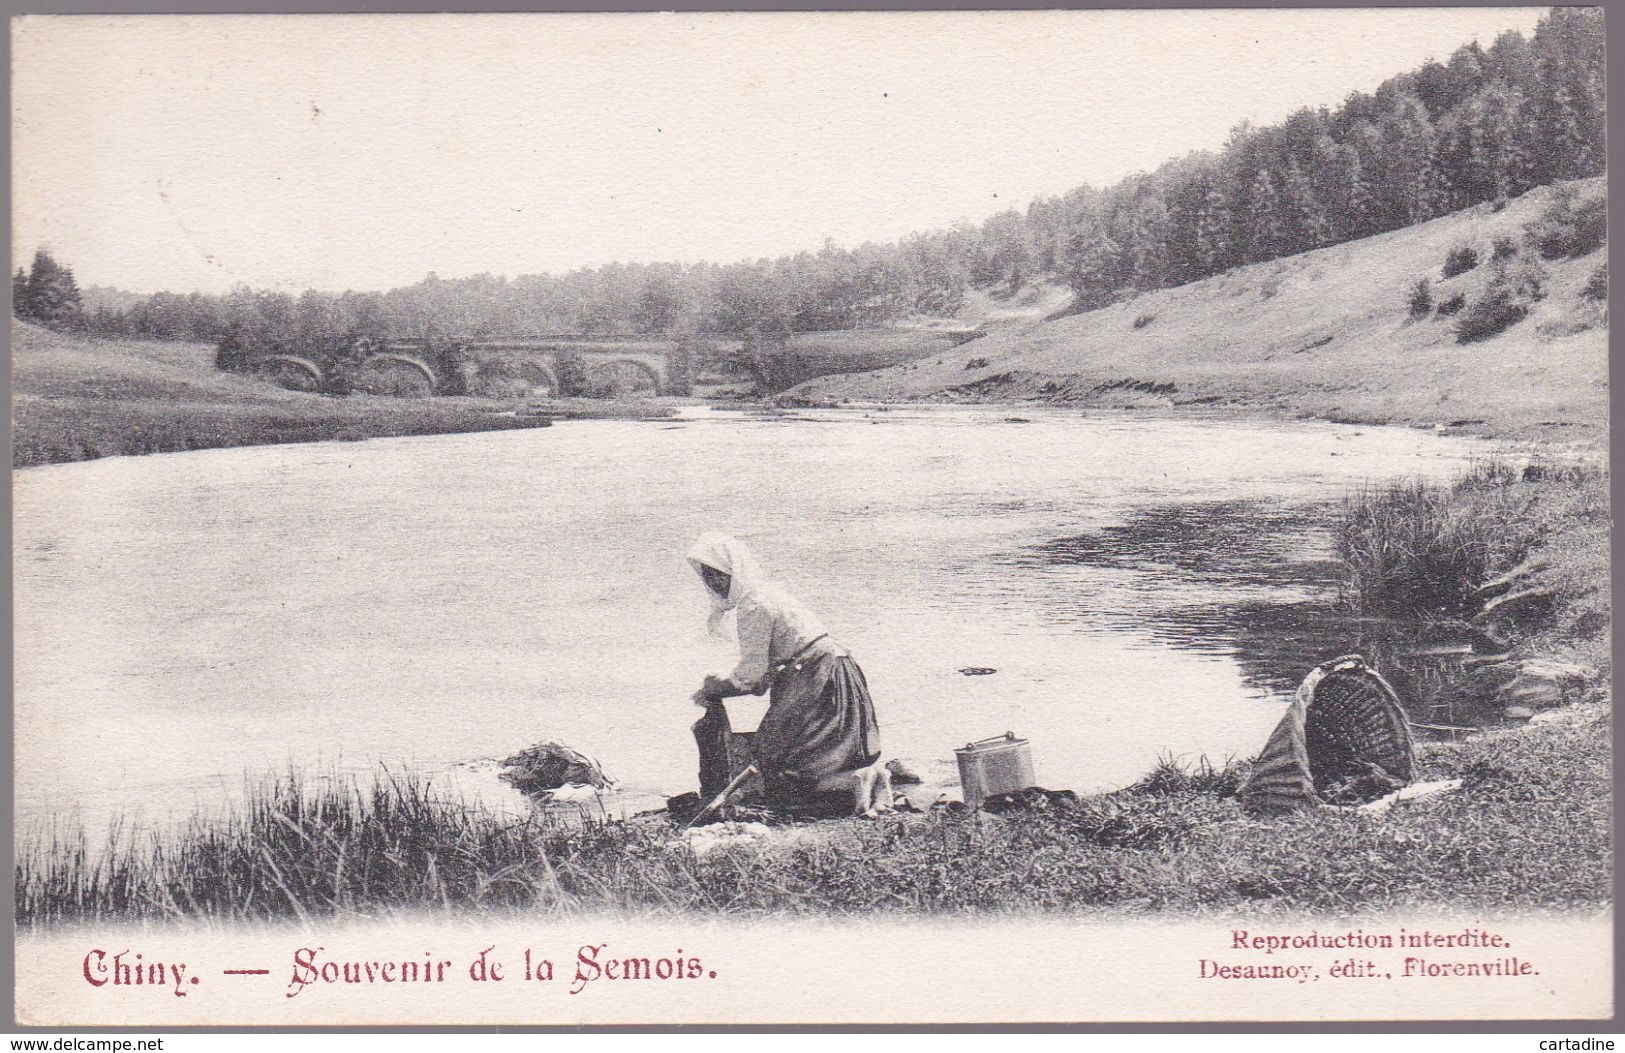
(57, 430)
(1531, 828)
(299, 846)
(52, 431)
(1408, 552)
(1419, 550)
(1416, 549)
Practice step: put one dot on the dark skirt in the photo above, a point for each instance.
(820, 720)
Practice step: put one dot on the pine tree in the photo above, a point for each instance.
(1148, 249)
(1568, 47)
(1094, 265)
(1354, 205)
(1511, 60)
(1465, 74)
(52, 294)
(20, 304)
(1414, 185)
(1215, 245)
(1593, 127)
(1431, 196)
(1364, 213)
(1501, 125)
(1571, 153)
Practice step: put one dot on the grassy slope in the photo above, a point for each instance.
(51, 365)
(77, 398)
(1324, 333)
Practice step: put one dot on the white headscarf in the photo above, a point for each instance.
(731, 557)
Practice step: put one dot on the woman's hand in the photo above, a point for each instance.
(701, 699)
(715, 689)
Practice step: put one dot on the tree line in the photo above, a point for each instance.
(1488, 124)
(1485, 125)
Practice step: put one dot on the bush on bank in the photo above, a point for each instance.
(1412, 549)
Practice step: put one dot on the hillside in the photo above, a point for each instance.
(48, 365)
(1325, 333)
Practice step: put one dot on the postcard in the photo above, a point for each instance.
(975, 517)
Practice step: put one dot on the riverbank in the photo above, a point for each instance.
(77, 398)
(1529, 828)
(1330, 334)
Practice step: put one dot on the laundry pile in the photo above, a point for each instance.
(556, 774)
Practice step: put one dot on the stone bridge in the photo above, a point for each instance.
(624, 365)
(599, 365)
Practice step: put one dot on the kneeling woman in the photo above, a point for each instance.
(820, 720)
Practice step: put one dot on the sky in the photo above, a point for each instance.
(364, 151)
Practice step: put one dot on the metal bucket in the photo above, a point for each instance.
(1002, 764)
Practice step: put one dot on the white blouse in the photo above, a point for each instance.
(773, 626)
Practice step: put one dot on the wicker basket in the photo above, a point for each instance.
(1344, 740)
(1356, 733)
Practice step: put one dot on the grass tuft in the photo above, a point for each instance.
(1416, 550)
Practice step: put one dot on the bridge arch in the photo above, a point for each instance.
(396, 361)
(291, 371)
(537, 372)
(636, 365)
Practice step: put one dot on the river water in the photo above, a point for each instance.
(184, 620)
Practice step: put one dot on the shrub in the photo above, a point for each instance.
(1506, 302)
(976, 363)
(1566, 230)
(231, 356)
(1505, 249)
(1495, 312)
(1421, 298)
(392, 379)
(1461, 259)
(680, 370)
(497, 385)
(1452, 305)
(1144, 320)
(614, 380)
(1527, 278)
(1596, 287)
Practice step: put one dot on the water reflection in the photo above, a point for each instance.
(1258, 583)
(1239, 544)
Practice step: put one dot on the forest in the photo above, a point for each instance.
(1483, 126)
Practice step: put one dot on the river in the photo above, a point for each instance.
(184, 620)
